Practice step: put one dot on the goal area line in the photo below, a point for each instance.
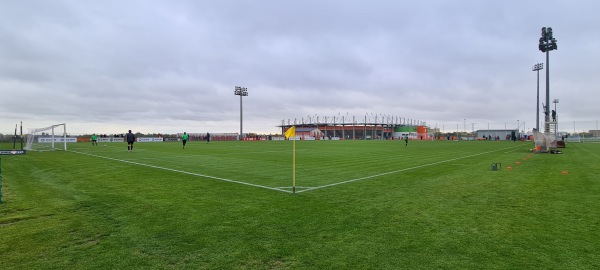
(288, 189)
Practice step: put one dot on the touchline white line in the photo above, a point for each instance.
(184, 172)
(401, 170)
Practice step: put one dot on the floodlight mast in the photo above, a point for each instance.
(242, 92)
(547, 44)
(537, 67)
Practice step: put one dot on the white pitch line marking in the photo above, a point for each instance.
(587, 151)
(401, 170)
(184, 172)
(304, 189)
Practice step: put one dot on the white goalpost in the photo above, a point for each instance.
(47, 138)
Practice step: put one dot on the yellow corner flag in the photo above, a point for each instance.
(291, 132)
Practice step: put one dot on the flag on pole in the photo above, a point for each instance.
(291, 132)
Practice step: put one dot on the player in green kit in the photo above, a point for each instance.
(184, 139)
(94, 139)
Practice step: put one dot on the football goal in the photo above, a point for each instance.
(49, 138)
(544, 142)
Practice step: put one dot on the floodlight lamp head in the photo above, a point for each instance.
(543, 32)
(241, 91)
(538, 67)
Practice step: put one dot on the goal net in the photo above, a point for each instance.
(47, 139)
(544, 142)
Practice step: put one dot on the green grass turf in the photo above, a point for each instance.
(359, 205)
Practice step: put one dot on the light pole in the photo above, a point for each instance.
(547, 44)
(242, 92)
(465, 126)
(537, 67)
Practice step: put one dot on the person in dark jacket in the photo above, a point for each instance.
(130, 139)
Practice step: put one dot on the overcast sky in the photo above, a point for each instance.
(171, 66)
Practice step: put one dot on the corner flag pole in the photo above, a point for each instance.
(294, 166)
(291, 132)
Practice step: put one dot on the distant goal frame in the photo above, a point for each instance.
(33, 135)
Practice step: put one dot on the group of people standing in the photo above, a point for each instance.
(130, 138)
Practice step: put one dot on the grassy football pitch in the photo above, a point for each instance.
(358, 205)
